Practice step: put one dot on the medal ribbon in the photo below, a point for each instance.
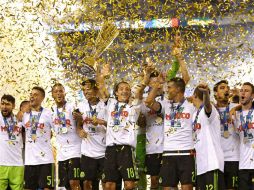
(92, 111)
(196, 118)
(10, 126)
(61, 116)
(224, 115)
(173, 114)
(117, 113)
(34, 121)
(245, 124)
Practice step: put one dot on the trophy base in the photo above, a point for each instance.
(88, 71)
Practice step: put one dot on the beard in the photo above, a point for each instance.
(247, 101)
(6, 114)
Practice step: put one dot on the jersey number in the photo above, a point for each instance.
(130, 172)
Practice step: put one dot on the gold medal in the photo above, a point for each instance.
(226, 134)
(116, 128)
(158, 120)
(34, 137)
(64, 130)
(94, 118)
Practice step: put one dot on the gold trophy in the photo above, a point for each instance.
(104, 39)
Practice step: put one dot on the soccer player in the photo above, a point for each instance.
(178, 152)
(207, 136)
(229, 137)
(92, 130)
(38, 152)
(11, 144)
(244, 123)
(121, 134)
(67, 139)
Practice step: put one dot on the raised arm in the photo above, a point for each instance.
(101, 74)
(183, 68)
(145, 81)
(150, 101)
(178, 57)
(206, 97)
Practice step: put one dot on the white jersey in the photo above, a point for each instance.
(154, 129)
(229, 140)
(121, 123)
(38, 151)
(94, 145)
(246, 143)
(209, 154)
(178, 133)
(11, 143)
(67, 139)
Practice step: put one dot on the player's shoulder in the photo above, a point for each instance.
(46, 111)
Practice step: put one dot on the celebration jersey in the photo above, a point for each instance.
(38, 127)
(94, 145)
(178, 125)
(154, 129)
(209, 154)
(229, 138)
(68, 141)
(121, 123)
(11, 143)
(244, 123)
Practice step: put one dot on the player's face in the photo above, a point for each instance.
(58, 93)
(123, 92)
(36, 98)
(246, 95)
(6, 108)
(25, 107)
(172, 90)
(222, 93)
(89, 92)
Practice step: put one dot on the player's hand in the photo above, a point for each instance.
(203, 87)
(82, 134)
(105, 71)
(77, 116)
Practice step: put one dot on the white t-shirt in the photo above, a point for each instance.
(246, 148)
(94, 145)
(209, 154)
(121, 130)
(38, 151)
(68, 141)
(154, 129)
(230, 144)
(178, 136)
(10, 146)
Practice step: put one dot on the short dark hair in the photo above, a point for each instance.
(117, 86)
(154, 74)
(39, 89)
(90, 81)
(22, 103)
(215, 88)
(199, 93)
(9, 98)
(235, 99)
(179, 82)
(55, 85)
(251, 85)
